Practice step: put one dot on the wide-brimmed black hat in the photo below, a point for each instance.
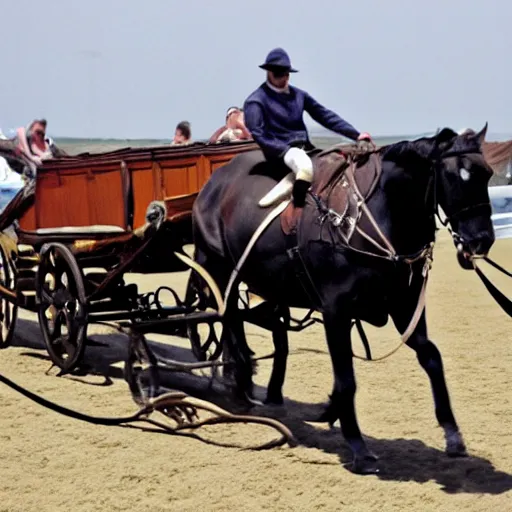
(278, 60)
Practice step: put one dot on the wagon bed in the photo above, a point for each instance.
(71, 234)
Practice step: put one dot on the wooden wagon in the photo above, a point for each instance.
(71, 234)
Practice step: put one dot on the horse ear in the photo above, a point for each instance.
(445, 135)
(480, 136)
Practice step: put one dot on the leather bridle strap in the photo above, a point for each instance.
(389, 250)
(467, 209)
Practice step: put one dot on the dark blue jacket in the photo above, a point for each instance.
(276, 123)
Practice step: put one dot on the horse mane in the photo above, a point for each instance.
(406, 149)
(415, 154)
(425, 147)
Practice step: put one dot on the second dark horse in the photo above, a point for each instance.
(354, 280)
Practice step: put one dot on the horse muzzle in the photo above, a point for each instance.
(475, 248)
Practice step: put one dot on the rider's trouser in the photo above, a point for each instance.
(302, 166)
(300, 163)
(298, 184)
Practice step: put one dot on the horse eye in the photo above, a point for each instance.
(464, 174)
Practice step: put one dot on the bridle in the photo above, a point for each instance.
(425, 254)
(458, 240)
(448, 221)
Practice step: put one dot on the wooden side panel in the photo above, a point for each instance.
(81, 197)
(203, 172)
(181, 177)
(216, 165)
(62, 200)
(105, 198)
(28, 219)
(145, 190)
(90, 189)
(214, 162)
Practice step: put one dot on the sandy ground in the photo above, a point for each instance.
(52, 463)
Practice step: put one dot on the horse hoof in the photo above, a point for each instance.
(365, 464)
(456, 450)
(455, 446)
(274, 399)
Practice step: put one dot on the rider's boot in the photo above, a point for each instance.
(300, 189)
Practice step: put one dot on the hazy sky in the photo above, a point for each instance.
(126, 68)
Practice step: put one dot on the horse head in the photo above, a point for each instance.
(461, 188)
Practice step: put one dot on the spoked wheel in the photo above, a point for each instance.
(8, 310)
(204, 339)
(62, 303)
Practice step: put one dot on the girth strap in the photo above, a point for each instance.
(300, 269)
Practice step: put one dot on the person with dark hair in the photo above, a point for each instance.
(234, 129)
(182, 134)
(274, 116)
(40, 144)
(35, 144)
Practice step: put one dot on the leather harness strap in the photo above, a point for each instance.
(300, 269)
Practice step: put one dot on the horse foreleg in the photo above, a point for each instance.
(430, 360)
(342, 404)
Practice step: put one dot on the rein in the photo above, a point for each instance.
(388, 253)
(504, 302)
(499, 297)
(384, 245)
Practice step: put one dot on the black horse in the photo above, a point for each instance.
(348, 258)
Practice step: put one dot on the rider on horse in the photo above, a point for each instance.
(273, 115)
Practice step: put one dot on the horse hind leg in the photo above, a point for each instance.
(237, 353)
(276, 319)
(279, 320)
(342, 403)
(276, 382)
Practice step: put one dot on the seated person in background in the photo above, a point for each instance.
(34, 144)
(234, 129)
(183, 134)
(39, 144)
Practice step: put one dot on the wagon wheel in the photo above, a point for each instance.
(62, 303)
(206, 344)
(204, 340)
(8, 310)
